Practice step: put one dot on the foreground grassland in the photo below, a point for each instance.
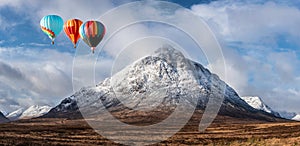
(78, 132)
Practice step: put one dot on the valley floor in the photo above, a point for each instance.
(77, 132)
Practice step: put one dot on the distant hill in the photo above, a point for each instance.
(31, 112)
(3, 119)
(296, 118)
(257, 103)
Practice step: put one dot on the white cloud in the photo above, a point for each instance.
(34, 77)
(285, 65)
(255, 37)
(7, 25)
(254, 23)
(234, 76)
(295, 92)
(10, 3)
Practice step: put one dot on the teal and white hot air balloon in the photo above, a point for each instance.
(92, 32)
(52, 25)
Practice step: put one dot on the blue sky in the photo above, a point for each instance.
(260, 41)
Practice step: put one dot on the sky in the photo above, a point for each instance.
(259, 40)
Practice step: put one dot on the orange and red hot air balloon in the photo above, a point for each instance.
(71, 28)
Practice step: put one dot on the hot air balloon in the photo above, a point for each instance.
(92, 32)
(71, 28)
(52, 25)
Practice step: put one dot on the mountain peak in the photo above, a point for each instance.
(162, 73)
(257, 103)
(35, 111)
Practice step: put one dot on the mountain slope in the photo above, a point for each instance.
(257, 103)
(287, 115)
(296, 118)
(35, 111)
(159, 80)
(15, 114)
(3, 119)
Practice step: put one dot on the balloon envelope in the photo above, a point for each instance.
(51, 25)
(92, 32)
(71, 28)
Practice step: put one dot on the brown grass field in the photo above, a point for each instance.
(224, 131)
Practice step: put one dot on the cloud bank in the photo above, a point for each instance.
(30, 77)
(260, 44)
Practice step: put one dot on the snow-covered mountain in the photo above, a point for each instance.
(35, 111)
(31, 112)
(15, 114)
(257, 103)
(164, 77)
(296, 118)
(3, 119)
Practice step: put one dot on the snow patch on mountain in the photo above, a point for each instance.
(257, 103)
(296, 118)
(35, 111)
(15, 114)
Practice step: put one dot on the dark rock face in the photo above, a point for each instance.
(3, 119)
(66, 109)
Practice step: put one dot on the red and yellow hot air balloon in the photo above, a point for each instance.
(71, 28)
